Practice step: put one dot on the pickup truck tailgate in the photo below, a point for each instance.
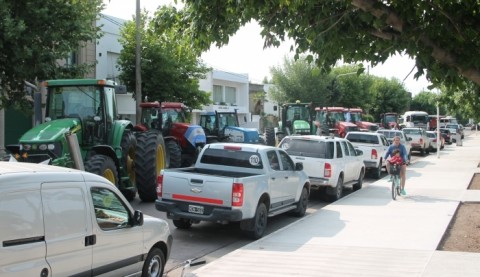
(198, 188)
(312, 166)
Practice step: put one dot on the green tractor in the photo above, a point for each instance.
(82, 130)
(295, 119)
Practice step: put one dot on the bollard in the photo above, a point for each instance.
(458, 139)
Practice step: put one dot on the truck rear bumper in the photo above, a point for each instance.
(178, 210)
(316, 183)
(370, 164)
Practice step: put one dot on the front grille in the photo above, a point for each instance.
(35, 158)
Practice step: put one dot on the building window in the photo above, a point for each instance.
(230, 95)
(217, 94)
(224, 95)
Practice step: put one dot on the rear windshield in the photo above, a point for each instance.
(431, 135)
(362, 138)
(232, 158)
(309, 148)
(412, 131)
(391, 134)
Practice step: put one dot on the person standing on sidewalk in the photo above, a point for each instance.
(396, 145)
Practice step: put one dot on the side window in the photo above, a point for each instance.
(351, 149)
(286, 161)
(109, 209)
(330, 150)
(273, 160)
(339, 150)
(345, 147)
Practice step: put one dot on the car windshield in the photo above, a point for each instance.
(452, 126)
(431, 135)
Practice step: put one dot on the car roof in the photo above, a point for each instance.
(19, 167)
(315, 137)
(241, 146)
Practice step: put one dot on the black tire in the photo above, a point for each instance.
(422, 152)
(150, 160)
(270, 136)
(394, 191)
(129, 193)
(154, 265)
(302, 204)
(377, 172)
(259, 222)
(336, 192)
(129, 148)
(359, 183)
(182, 223)
(175, 154)
(104, 166)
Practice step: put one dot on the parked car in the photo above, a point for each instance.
(432, 135)
(59, 221)
(373, 146)
(454, 129)
(420, 142)
(330, 162)
(447, 135)
(390, 134)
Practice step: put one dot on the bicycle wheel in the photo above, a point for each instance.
(397, 183)
(394, 189)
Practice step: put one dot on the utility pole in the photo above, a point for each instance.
(138, 75)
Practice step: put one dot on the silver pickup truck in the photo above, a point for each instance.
(234, 182)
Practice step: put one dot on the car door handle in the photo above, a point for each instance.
(90, 240)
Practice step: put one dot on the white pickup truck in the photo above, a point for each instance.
(373, 146)
(234, 182)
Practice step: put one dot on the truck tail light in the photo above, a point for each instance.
(159, 186)
(237, 195)
(374, 154)
(328, 170)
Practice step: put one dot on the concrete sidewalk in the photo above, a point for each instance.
(369, 234)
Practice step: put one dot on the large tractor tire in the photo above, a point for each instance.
(104, 166)
(270, 136)
(150, 160)
(129, 148)
(175, 154)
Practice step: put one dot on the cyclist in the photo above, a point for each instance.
(396, 145)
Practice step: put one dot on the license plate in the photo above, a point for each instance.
(195, 209)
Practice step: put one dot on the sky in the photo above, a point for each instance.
(245, 53)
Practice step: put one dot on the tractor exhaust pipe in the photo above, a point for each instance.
(72, 141)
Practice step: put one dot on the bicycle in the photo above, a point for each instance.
(395, 173)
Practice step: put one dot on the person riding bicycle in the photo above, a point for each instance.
(395, 159)
(396, 145)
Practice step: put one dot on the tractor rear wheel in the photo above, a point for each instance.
(104, 166)
(270, 136)
(150, 159)
(175, 153)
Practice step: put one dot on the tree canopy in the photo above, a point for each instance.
(170, 67)
(442, 36)
(35, 36)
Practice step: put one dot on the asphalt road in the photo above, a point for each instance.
(209, 241)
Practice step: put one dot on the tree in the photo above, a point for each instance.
(426, 101)
(298, 80)
(170, 66)
(35, 37)
(388, 96)
(462, 104)
(442, 36)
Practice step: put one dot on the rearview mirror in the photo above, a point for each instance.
(137, 218)
(299, 166)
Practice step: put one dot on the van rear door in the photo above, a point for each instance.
(68, 228)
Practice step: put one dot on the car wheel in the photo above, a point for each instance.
(359, 183)
(377, 172)
(302, 204)
(336, 192)
(182, 223)
(154, 264)
(259, 222)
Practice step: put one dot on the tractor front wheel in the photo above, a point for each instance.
(175, 154)
(270, 136)
(149, 161)
(104, 166)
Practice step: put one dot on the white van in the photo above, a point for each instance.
(58, 221)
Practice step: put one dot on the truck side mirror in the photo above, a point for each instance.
(137, 218)
(299, 166)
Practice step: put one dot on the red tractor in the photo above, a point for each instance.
(389, 120)
(354, 115)
(183, 141)
(334, 119)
